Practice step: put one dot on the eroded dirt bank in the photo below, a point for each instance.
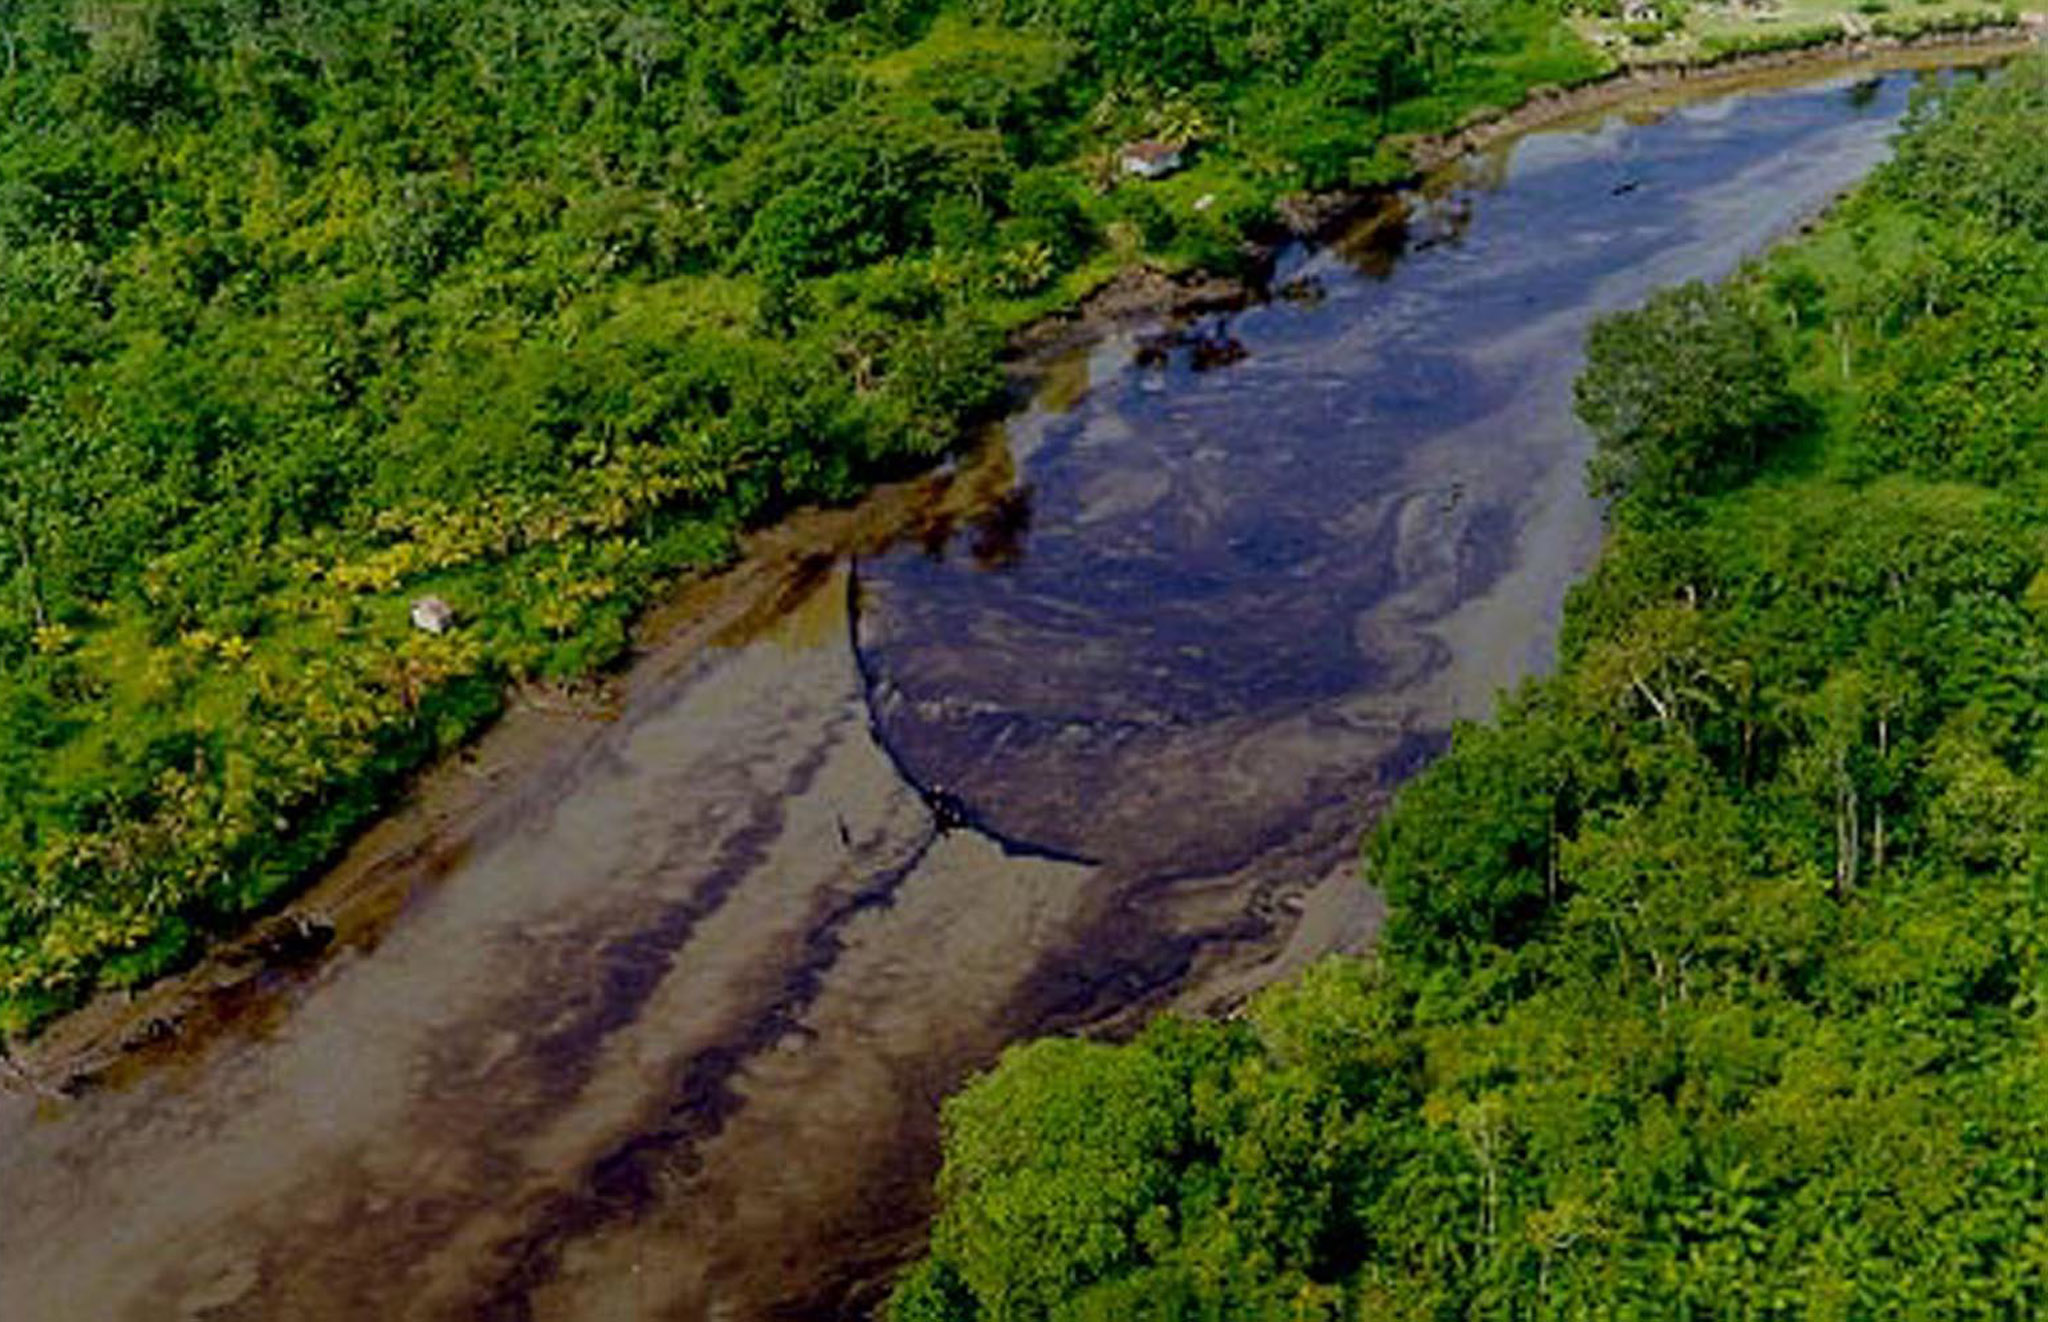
(644, 1011)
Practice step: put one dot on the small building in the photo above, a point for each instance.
(1641, 11)
(432, 615)
(1151, 160)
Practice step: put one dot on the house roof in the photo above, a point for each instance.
(1151, 152)
(432, 614)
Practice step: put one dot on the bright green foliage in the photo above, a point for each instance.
(1714, 981)
(306, 310)
(1988, 170)
(1072, 1156)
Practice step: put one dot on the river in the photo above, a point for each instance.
(649, 1016)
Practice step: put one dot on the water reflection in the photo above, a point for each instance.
(1355, 507)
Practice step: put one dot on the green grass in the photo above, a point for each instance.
(954, 38)
(1531, 52)
(1712, 32)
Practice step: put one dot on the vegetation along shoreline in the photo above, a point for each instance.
(141, 799)
(1144, 294)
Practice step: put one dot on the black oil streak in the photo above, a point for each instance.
(632, 969)
(623, 1183)
(948, 809)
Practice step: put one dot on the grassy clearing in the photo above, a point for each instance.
(1685, 31)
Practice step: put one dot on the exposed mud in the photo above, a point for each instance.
(645, 1009)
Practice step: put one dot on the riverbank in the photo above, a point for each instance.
(1149, 293)
(607, 1058)
(450, 803)
(468, 799)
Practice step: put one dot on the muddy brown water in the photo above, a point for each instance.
(656, 1024)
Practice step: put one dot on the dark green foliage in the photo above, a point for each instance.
(1683, 396)
(1713, 982)
(1433, 857)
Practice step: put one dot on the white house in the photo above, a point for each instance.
(1151, 160)
(432, 615)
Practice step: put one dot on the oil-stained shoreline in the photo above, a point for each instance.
(649, 1015)
(453, 802)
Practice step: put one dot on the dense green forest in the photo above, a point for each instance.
(307, 310)
(1713, 983)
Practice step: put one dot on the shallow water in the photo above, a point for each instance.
(662, 1034)
(1357, 531)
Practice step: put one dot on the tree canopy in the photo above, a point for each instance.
(1682, 395)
